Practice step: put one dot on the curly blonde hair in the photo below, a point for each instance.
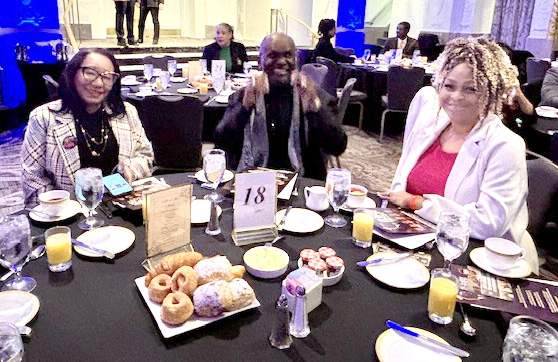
(493, 73)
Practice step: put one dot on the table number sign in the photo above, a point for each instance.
(255, 204)
(218, 69)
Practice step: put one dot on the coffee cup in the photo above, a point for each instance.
(357, 196)
(53, 201)
(316, 198)
(503, 254)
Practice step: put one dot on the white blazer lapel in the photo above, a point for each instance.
(122, 131)
(66, 140)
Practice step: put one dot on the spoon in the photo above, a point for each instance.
(35, 254)
(274, 240)
(466, 326)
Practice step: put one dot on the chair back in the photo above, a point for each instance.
(345, 51)
(543, 189)
(330, 81)
(344, 99)
(536, 69)
(402, 85)
(429, 45)
(52, 87)
(317, 72)
(158, 62)
(173, 124)
(303, 56)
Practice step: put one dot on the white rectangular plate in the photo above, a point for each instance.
(194, 322)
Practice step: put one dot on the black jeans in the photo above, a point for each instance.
(143, 16)
(124, 9)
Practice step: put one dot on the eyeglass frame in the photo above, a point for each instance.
(100, 74)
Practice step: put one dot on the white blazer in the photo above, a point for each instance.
(488, 180)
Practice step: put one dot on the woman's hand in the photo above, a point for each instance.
(126, 170)
(403, 199)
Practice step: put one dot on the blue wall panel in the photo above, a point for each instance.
(350, 25)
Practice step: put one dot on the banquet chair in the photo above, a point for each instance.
(303, 56)
(345, 51)
(536, 69)
(429, 45)
(317, 72)
(330, 81)
(174, 124)
(52, 87)
(402, 85)
(342, 104)
(158, 62)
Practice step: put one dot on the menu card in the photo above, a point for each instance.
(166, 216)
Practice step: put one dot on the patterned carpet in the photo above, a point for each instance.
(371, 163)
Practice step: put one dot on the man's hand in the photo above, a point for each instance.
(258, 87)
(307, 91)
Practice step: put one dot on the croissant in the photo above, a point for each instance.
(170, 263)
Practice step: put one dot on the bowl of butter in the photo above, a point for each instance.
(266, 262)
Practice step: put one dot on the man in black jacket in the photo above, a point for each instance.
(224, 48)
(402, 41)
(283, 120)
(146, 7)
(125, 8)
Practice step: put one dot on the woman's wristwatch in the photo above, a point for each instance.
(415, 202)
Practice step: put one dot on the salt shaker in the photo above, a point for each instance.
(213, 227)
(280, 337)
(299, 327)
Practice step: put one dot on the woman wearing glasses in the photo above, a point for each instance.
(90, 126)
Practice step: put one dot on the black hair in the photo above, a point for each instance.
(406, 25)
(228, 27)
(506, 48)
(325, 27)
(71, 101)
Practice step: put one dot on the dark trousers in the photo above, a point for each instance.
(124, 9)
(143, 16)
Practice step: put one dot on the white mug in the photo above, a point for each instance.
(503, 254)
(357, 196)
(54, 201)
(316, 198)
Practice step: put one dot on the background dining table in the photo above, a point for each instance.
(94, 311)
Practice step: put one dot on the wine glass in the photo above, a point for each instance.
(452, 235)
(366, 55)
(171, 67)
(15, 245)
(89, 193)
(218, 84)
(338, 183)
(214, 166)
(11, 345)
(148, 72)
(247, 67)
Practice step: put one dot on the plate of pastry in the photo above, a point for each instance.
(191, 291)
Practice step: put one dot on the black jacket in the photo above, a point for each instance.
(238, 55)
(326, 50)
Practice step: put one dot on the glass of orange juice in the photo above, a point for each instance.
(363, 227)
(58, 242)
(442, 296)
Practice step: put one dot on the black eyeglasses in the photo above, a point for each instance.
(91, 75)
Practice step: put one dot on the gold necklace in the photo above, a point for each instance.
(91, 142)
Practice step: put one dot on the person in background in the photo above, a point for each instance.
(458, 156)
(549, 90)
(125, 8)
(324, 48)
(153, 7)
(402, 41)
(224, 48)
(283, 121)
(90, 126)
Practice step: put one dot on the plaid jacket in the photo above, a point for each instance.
(50, 154)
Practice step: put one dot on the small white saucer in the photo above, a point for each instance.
(18, 307)
(201, 210)
(547, 111)
(367, 204)
(187, 90)
(407, 273)
(300, 221)
(129, 82)
(115, 239)
(177, 79)
(520, 270)
(227, 176)
(40, 212)
(223, 99)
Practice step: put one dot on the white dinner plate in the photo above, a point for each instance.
(300, 221)
(367, 204)
(115, 239)
(129, 82)
(201, 210)
(227, 176)
(177, 79)
(223, 99)
(407, 273)
(194, 322)
(18, 307)
(70, 209)
(396, 346)
(521, 269)
(547, 111)
(187, 90)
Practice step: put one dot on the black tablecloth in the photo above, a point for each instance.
(95, 312)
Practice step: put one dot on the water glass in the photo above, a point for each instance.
(530, 339)
(442, 296)
(11, 345)
(171, 67)
(452, 235)
(338, 183)
(366, 55)
(58, 242)
(363, 227)
(165, 79)
(203, 66)
(214, 166)
(148, 71)
(247, 67)
(89, 193)
(15, 245)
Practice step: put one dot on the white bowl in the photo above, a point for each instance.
(327, 281)
(259, 271)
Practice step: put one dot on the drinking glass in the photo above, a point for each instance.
(338, 183)
(452, 235)
(171, 67)
(442, 296)
(89, 193)
(530, 339)
(247, 67)
(165, 79)
(366, 55)
(214, 166)
(148, 72)
(15, 244)
(203, 66)
(218, 84)
(58, 241)
(11, 345)
(363, 227)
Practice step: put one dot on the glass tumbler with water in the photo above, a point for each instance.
(15, 245)
(530, 339)
(247, 67)
(452, 235)
(171, 67)
(11, 345)
(338, 183)
(148, 72)
(214, 166)
(89, 193)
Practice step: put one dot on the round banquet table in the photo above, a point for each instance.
(95, 312)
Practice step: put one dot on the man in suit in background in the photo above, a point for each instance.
(125, 8)
(402, 41)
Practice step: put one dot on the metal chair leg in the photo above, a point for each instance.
(382, 124)
(360, 114)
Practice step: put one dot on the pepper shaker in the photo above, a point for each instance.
(299, 327)
(280, 337)
(213, 227)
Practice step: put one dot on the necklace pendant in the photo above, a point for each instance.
(95, 153)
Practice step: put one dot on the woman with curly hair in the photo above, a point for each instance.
(457, 155)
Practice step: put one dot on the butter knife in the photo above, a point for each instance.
(282, 222)
(105, 253)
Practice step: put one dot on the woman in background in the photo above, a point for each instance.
(224, 48)
(326, 30)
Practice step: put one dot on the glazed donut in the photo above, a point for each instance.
(177, 308)
(185, 280)
(159, 287)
